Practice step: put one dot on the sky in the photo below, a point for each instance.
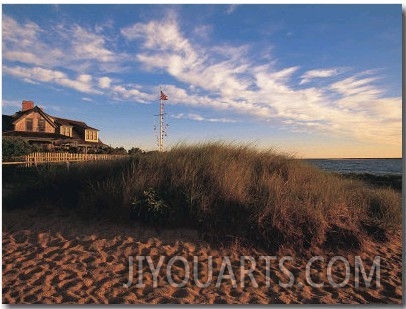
(316, 81)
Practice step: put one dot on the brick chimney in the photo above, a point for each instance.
(26, 105)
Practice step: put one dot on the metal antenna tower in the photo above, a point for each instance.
(162, 125)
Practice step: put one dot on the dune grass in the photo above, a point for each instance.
(227, 191)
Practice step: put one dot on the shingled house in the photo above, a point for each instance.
(50, 132)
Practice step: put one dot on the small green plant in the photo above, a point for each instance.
(150, 208)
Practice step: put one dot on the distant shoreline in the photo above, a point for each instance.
(359, 166)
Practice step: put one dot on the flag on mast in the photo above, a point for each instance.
(163, 96)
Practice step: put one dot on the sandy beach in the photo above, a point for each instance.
(52, 256)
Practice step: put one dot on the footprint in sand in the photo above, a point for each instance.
(235, 293)
(181, 293)
(219, 300)
(88, 259)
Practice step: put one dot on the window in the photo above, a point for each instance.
(28, 124)
(41, 125)
(91, 135)
(66, 130)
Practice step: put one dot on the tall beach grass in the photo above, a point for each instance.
(228, 191)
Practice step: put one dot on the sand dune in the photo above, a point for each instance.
(51, 256)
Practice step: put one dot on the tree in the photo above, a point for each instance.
(134, 151)
(117, 151)
(15, 147)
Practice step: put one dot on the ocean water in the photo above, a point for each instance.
(371, 166)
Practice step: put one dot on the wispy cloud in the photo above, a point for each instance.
(167, 49)
(22, 43)
(131, 93)
(11, 103)
(356, 87)
(90, 46)
(70, 46)
(203, 31)
(312, 74)
(105, 82)
(198, 117)
(231, 8)
(82, 83)
(224, 78)
(238, 83)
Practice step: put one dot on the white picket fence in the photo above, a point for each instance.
(54, 157)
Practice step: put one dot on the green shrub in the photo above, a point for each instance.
(13, 147)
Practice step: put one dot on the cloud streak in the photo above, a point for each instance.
(312, 74)
(345, 107)
(231, 8)
(69, 46)
(232, 80)
(198, 117)
(82, 83)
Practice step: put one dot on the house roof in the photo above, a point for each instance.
(7, 123)
(43, 136)
(17, 116)
(40, 135)
(73, 123)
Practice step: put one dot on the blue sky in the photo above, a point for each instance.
(313, 80)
